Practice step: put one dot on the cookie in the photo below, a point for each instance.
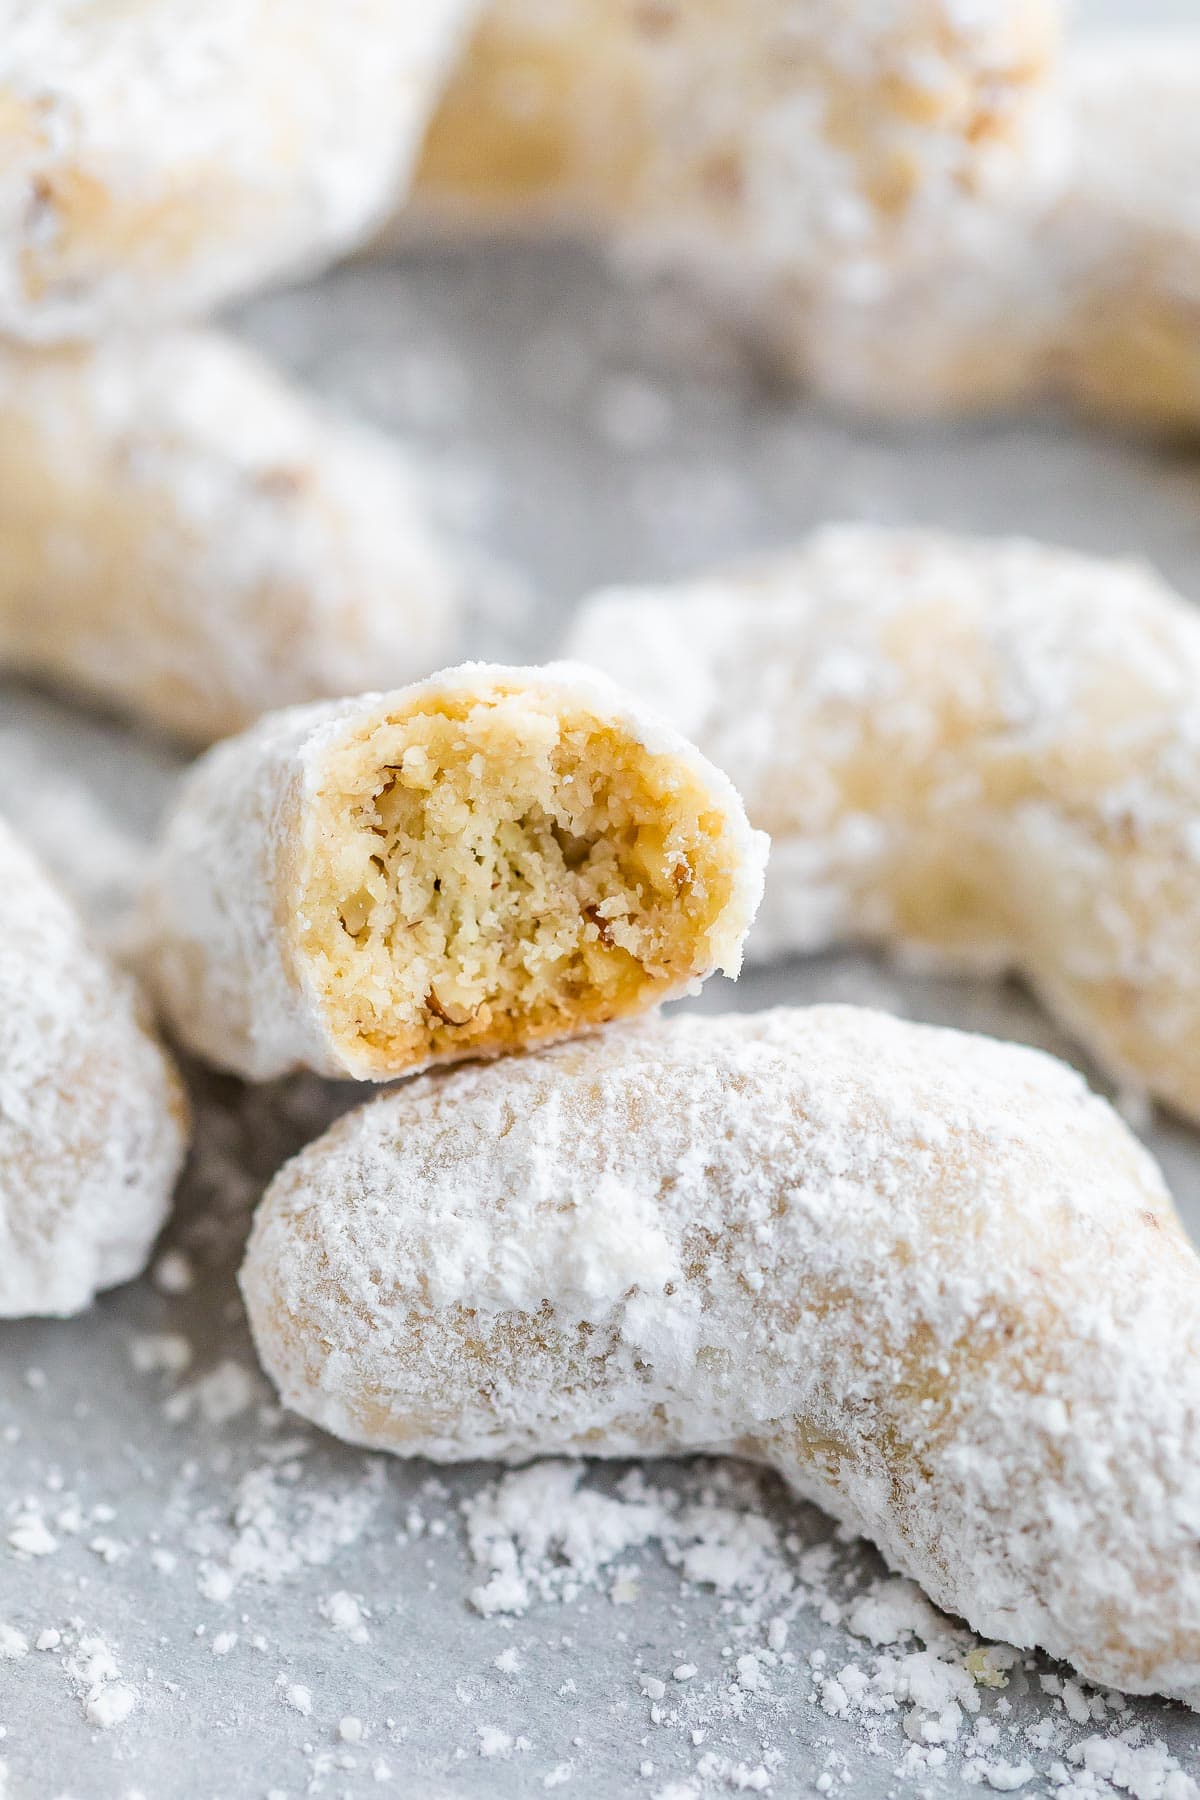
(786, 133)
(159, 157)
(978, 753)
(490, 859)
(189, 541)
(93, 1121)
(929, 1278)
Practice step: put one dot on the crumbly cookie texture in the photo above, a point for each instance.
(158, 157)
(185, 538)
(791, 130)
(93, 1123)
(1093, 298)
(489, 859)
(929, 1277)
(981, 752)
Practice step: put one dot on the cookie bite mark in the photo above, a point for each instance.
(501, 866)
(488, 860)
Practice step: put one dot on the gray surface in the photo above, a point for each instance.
(516, 371)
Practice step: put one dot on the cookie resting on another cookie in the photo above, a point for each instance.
(489, 859)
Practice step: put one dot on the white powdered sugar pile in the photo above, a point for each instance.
(731, 1641)
(920, 1690)
(107, 1700)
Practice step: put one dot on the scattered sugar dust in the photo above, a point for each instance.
(923, 1693)
(790, 1663)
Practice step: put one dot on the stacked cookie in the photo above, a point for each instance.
(930, 1278)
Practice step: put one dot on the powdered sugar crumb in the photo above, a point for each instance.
(297, 1697)
(106, 1699)
(344, 1614)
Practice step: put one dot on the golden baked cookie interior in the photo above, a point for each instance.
(494, 868)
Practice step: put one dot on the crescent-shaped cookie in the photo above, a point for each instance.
(981, 752)
(1090, 296)
(930, 1278)
(158, 157)
(793, 135)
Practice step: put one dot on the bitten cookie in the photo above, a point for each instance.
(928, 1277)
(93, 1123)
(983, 752)
(490, 859)
(184, 537)
(158, 157)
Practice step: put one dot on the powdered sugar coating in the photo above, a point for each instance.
(221, 926)
(1134, 96)
(185, 537)
(92, 1115)
(158, 156)
(983, 752)
(1092, 294)
(929, 1277)
(216, 926)
(918, 208)
(795, 134)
